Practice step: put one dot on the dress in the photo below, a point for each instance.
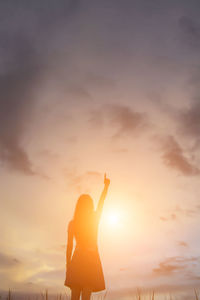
(85, 269)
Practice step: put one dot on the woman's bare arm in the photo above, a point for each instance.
(103, 195)
(69, 244)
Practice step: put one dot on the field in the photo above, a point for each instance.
(136, 296)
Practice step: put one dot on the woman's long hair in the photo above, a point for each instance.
(83, 215)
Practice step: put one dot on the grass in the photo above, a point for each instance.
(45, 296)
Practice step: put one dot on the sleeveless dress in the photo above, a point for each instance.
(85, 269)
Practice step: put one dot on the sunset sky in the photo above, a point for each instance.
(88, 87)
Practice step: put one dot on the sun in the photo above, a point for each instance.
(113, 218)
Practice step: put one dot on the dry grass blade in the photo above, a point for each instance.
(196, 295)
(9, 295)
(138, 295)
(67, 297)
(152, 298)
(60, 297)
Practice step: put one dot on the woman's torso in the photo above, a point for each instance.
(86, 234)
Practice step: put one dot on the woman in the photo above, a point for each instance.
(84, 271)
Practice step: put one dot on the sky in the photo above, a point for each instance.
(89, 87)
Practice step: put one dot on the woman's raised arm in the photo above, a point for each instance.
(103, 195)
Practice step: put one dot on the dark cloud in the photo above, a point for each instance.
(126, 120)
(17, 80)
(78, 93)
(24, 36)
(189, 120)
(123, 120)
(73, 6)
(100, 81)
(172, 265)
(188, 117)
(41, 13)
(190, 31)
(174, 157)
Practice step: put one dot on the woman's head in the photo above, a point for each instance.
(84, 208)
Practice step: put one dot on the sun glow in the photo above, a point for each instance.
(113, 218)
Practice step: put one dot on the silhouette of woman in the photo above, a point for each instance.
(84, 273)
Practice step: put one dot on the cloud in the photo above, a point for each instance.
(7, 261)
(57, 274)
(17, 80)
(183, 244)
(122, 118)
(126, 120)
(119, 150)
(73, 6)
(83, 182)
(173, 156)
(189, 120)
(172, 265)
(78, 93)
(178, 212)
(24, 56)
(190, 31)
(171, 217)
(100, 81)
(192, 276)
(189, 212)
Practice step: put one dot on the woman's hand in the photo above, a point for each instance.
(106, 180)
(103, 196)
